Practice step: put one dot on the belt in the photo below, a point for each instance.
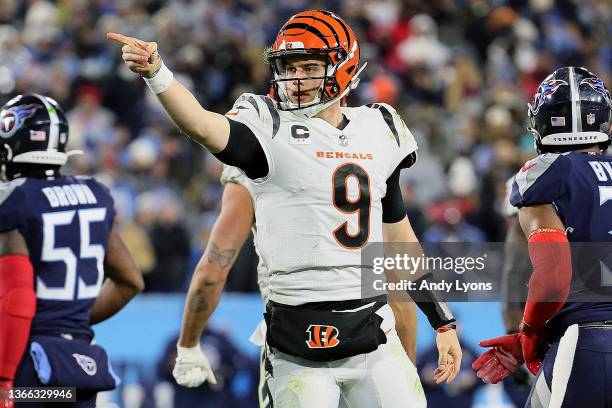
(68, 336)
(604, 324)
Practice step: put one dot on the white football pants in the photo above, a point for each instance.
(384, 378)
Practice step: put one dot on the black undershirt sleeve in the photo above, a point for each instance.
(393, 202)
(244, 151)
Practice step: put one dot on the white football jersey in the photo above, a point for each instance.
(320, 203)
(233, 174)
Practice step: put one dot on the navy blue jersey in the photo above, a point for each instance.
(579, 186)
(66, 223)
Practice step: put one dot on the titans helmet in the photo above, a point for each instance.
(572, 107)
(33, 129)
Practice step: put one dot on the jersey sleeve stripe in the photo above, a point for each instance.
(253, 102)
(273, 113)
(388, 117)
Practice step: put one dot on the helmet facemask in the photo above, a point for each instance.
(327, 92)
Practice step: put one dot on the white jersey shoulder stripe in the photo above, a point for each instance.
(533, 169)
(6, 189)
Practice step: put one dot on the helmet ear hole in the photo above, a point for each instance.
(332, 87)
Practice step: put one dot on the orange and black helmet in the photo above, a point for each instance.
(318, 33)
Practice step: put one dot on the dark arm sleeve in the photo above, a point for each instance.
(244, 151)
(393, 202)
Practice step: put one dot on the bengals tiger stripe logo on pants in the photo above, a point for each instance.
(322, 336)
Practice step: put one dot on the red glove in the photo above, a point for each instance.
(509, 352)
(504, 357)
(534, 343)
(5, 401)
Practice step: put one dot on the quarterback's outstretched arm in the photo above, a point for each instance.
(209, 129)
(123, 283)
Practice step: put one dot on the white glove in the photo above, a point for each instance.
(192, 367)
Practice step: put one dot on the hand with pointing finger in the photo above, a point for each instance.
(140, 56)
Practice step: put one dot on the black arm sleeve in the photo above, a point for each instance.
(244, 151)
(393, 202)
(437, 312)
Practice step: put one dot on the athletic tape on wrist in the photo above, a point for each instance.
(161, 81)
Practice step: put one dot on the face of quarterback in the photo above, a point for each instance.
(299, 69)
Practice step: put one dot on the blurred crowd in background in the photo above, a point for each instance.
(459, 72)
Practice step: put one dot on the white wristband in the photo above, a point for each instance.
(188, 351)
(161, 81)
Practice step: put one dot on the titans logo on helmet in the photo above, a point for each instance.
(546, 88)
(598, 86)
(13, 118)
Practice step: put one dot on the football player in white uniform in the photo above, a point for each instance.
(228, 235)
(325, 184)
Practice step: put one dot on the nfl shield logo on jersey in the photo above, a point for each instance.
(87, 363)
(590, 118)
(343, 140)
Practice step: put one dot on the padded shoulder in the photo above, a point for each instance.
(540, 180)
